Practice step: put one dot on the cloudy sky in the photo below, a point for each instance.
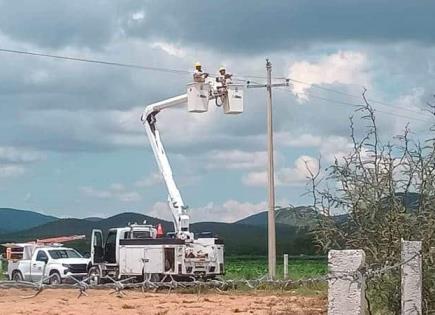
(71, 141)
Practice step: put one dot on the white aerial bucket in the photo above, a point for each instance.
(234, 102)
(197, 97)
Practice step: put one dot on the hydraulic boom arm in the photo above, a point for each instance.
(178, 209)
(199, 93)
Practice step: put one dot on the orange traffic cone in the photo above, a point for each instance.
(159, 230)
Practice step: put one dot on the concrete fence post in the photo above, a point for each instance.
(285, 266)
(346, 293)
(411, 274)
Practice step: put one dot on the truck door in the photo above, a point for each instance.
(97, 247)
(110, 248)
(37, 267)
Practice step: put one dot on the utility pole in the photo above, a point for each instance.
(270, 169)
(270, 178)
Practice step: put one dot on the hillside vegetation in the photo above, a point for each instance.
(240, 239)
(293, 216)
(12, 220)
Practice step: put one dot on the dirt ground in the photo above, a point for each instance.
(99, 302)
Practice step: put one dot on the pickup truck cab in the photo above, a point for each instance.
(36, 262)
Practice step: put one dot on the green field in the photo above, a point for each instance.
(253, 267)
(3, 269)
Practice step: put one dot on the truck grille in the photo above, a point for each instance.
(78, 268)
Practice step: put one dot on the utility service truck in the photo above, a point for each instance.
(140, 250)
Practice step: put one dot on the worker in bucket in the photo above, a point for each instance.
(223, 77)
(199, 75)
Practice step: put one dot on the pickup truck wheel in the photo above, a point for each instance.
(55, 278)
(94, 275)
(17, 276)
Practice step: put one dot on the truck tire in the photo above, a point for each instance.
(55, 278)
(17, 276)
(94, 275)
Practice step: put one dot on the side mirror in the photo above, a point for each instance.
(45, 260)
(86, 255)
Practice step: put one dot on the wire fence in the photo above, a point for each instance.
(119, 286)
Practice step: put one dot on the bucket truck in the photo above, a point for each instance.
(137, 250)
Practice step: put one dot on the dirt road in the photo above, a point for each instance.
(99, 302)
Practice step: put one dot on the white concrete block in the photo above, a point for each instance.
(411, 274)
(345, 293)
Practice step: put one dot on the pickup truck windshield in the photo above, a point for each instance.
(63, 253)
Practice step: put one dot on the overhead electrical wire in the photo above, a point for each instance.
(179, 71)
(339, 102)
(107, 63)
(355, 105)
(355, 96)
(316, 86)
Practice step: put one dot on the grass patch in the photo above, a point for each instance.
(253, 267)
(318, 289)
(3, 269)
(299, 267)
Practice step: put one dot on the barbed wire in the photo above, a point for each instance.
(375, 272)
(117, 287)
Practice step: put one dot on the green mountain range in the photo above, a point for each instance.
(293, 216)
(244, 237)
(12, 220)
(241, 238)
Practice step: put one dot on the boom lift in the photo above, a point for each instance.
(197, 98)
(136, 250)
(176, 204)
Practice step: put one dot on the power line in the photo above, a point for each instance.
(356, 105)
(102, 62)
(338, 101)
(316, 86)
(178, 71)
(355, 96)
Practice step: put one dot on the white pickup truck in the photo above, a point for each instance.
(36, 262)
